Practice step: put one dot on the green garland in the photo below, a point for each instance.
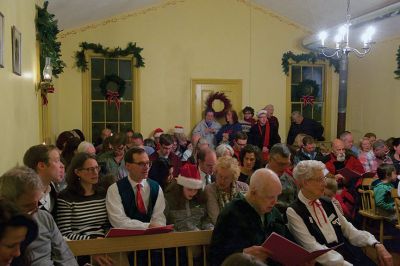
(397, 72)
(81, 63)
(47, 30)
(310, 58)
(112, 78)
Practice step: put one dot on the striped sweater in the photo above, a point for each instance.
(82, 217)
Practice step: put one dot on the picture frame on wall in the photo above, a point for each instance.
(1, 40)
(16, 50)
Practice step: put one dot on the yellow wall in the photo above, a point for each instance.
(224, 39)
(18, 100)
(373, 93)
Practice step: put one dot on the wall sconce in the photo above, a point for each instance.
(47, 70)
(45, 85)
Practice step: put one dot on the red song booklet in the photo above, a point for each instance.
(289, 253)
(120, 232)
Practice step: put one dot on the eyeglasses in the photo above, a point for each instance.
(95, 169)
(143, 164)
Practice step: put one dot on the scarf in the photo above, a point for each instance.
(225, 197)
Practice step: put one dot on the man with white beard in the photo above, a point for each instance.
(339, 159)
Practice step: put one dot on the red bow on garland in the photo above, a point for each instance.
(47, 89)
(113, 96)
(307, 100)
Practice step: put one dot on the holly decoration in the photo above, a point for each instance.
(131, 49)
(308, 89)
(310, 58)
(46, 31)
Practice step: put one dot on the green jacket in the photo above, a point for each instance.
(383, 197)
(239, 226)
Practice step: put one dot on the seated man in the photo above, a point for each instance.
(381, 151)
(317, 224)
(308, 151)
(245, 223)
(339, 159)
(136, 202)
(22, 186)
(166, 142)
(239, 142)
(112, 162)
(348, 141)
(45, 160)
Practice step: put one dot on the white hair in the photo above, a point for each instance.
(84, 146)
(306, 169)
(222, 149)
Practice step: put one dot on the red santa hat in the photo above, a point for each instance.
(178, 129)
(157, 132)
(189, 177)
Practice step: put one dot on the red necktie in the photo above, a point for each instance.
(139, 200)
(318, 204)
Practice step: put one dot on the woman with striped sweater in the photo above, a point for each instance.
(82, 212)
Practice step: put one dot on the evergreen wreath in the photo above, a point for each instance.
(115, 79)
(81, 63)
(397, 72)
(46, 32)
(220, 96)
(308, 87)
(310, 58)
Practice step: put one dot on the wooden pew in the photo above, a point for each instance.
(117, 247)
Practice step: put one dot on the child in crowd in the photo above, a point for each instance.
(330, 192)
(185, 202)
(382, 191)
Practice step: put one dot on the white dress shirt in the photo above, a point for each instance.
(116, 212)
(300, 231)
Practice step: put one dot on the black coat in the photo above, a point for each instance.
(258, 140)
(307, 126)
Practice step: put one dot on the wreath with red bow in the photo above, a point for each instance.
(220, 96)
(109, 92)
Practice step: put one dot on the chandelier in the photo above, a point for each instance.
(342, 40)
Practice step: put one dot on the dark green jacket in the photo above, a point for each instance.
(239, 226)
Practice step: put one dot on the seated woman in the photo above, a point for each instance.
(81, 212)
(366, 155)
(227, 132)
(317, 224)
(185, 202)
(250, 160)
(382, 191)
(17, 231)
(225, 188)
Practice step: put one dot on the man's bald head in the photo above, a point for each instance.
(265, 187)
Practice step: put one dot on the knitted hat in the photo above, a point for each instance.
(157, 132)
(261, 112)
(189, 177)
(178, 129)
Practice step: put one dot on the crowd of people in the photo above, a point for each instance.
(237, 179)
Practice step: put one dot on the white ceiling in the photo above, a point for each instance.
(315, 15)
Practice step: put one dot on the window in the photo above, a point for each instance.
(105, 114)
(316, 73)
